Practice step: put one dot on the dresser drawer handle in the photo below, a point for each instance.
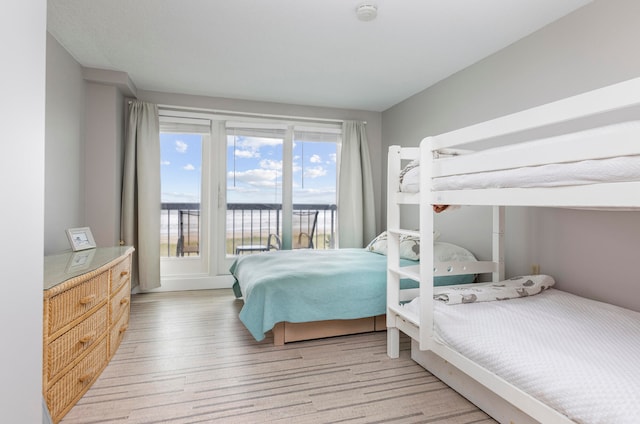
(124, 328)
(86, 377)
(87, 338)
(123, 273)
(124, 300)
(87, 299)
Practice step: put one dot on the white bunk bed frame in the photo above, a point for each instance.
(502, 401)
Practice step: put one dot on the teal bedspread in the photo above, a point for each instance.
(310, 285)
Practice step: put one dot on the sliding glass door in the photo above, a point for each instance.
(254, 187)
(314, 185)
(185, 213)
(232, 188)
(281, 185)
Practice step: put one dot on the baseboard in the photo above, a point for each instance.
(191, 283)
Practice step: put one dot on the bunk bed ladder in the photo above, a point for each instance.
(393, 251)
(498, 243)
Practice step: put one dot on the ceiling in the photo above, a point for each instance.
(294, 51)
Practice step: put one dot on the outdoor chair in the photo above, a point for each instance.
(189, 244)
(304, 229)
(304, 226)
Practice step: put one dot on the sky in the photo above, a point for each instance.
(254, 170)
(180, 167)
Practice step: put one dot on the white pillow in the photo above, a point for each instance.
(448, 252)
(410, 178)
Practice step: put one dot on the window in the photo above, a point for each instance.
(273, 174)
(184, 213)
(181, 183)
(315, 174)
(254, 185)
(227, 184)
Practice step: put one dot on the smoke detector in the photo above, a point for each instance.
(367, 11)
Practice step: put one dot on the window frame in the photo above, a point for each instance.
(211, 268)
(179, 267)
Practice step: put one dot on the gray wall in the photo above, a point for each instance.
(590, 48)
(104, 141)
(64, 150)
(84, 138)
(23, 47)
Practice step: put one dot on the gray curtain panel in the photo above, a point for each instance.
(356, 213)
(140, 218)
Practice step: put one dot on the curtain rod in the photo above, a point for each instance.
(251, 114)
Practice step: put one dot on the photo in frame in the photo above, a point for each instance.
(81, 238)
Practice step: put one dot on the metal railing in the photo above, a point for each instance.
(246, 224)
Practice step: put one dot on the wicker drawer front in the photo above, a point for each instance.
(75, 302)
(117, 333)
(120, 274)
(66, 391)
(69, 346)
(120, 302)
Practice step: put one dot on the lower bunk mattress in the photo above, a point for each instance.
(581, 357)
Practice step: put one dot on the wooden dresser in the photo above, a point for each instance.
(86, 312)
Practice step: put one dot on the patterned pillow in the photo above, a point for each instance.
(409, 245)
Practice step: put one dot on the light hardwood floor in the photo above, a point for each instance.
(186, 358)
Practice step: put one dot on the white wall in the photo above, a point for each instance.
(22, 106)
(592, 47)
(64, 150)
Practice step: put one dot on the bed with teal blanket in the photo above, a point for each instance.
(301, 286)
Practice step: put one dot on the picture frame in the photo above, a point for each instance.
(80, 238)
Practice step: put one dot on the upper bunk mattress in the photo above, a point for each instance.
(592, 171)
(577, 355)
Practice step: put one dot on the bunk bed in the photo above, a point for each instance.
(516, 358)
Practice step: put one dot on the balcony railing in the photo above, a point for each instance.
(246, 224)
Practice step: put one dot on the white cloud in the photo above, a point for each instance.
(253, 143)
(181, 146)
(256, 177)
(332, 157)
(275, 165)
(315, 159)
(165, 162)
(315, 172)
(189, 167)
(249, 147)
(248, 154)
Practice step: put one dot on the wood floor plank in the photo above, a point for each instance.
(186, 358)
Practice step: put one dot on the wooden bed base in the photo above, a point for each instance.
(285, 332)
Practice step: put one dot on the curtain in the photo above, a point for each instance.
(140, 216)
(356, 211)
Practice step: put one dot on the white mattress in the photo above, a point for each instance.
(615, 169)
(579, 356)
(553, 175)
